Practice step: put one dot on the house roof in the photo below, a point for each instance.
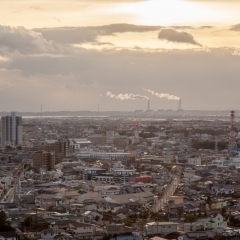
(77, 224)
(160, 224)
(8, 234)
(127, 198)
(61, 222)
(51, 230)
(121, 216)
(213, 215)
(189, 206)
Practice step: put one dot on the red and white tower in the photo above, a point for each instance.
(232, 134)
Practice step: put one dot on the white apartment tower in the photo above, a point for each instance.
(11, 130)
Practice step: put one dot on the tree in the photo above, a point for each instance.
(128, 221)
(4, 227)
(173, 235)
(31, 223)
(141, 223)
(27, 222)
(89, 176)
(209, 200)
(2, 218)
(190, 218)
(19, 147)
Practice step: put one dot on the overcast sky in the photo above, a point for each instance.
(66, 55)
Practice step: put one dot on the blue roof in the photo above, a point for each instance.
(236, 149)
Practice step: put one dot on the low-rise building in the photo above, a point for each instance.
(115, 229)
(82, 229)
(215, 220)
(163, 228)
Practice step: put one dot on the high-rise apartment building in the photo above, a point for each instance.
(11, 130)
(45, 160)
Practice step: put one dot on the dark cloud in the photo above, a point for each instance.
(183, 27)
(102, 43)
(78, 35)
(191, 27)
(205, 27)
(235, 27)
(72, 78)
(81, 75)
(24, 41)
(172, 35)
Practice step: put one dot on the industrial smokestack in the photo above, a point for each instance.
(148, 104)
(179, 105)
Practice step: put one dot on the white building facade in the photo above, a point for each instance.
(11, 130)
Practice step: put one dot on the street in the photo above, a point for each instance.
(160, 202)
(9, 196)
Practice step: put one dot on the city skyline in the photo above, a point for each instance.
(68, 56)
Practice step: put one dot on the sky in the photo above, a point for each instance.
(76, 54)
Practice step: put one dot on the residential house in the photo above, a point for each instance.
(215, 220)
(64, 236)
(194, 160)
(104, 206)
(203, 235)
(61, 224)
(8, 236)
(222, 190)
(163, 228)
(46, 200)
(107, 190)
(126, 237)
(82, 229)
(190, 208)
(115, 229)
(50, 233)
(175, 209)
(77, 208)
(90, 216)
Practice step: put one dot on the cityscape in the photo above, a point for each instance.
(119, 177)
(119, 120)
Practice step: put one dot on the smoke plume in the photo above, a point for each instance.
(126, 96)
(162, 95)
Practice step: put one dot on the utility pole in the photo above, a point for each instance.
(216, 146)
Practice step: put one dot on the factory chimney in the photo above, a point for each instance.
(179, 105)
(148, 104)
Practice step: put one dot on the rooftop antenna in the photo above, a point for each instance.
(216, 146)
(232, 138)
(189, 142)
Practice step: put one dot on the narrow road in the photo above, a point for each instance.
(161, 201)
(9, 196)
